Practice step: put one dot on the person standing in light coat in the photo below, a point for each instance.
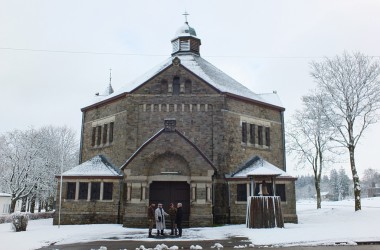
(160, 219)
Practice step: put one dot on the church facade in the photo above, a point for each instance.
(179, 133)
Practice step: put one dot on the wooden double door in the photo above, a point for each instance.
(167, 192)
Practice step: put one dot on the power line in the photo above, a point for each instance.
(161, 55)
(79, 52)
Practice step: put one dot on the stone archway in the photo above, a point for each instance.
(167, 192)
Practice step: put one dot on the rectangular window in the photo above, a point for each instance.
(260, 135)
(105, 131)
(98, 141)
(252, 129)
(71, 186)
(241, 192)
(244, 132)
(83, 190)
(176, 86)
(111, 132)
(93, 139)
(107, 190)
(280, 191)
(95, 191)
(267, 136)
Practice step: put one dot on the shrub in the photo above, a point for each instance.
(19, 221)
(35, 216)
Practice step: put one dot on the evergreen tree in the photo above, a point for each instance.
(343, 184)
(334, 184)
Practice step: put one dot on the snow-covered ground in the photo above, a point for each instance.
(335, 222)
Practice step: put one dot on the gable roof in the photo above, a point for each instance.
(204, 70)
(257, 166)
(155, 136)
(97, 166)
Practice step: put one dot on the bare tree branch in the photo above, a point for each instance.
(351, 93)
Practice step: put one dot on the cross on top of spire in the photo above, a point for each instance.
(186, 14)
(110, 75)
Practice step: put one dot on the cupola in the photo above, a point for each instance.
(186, 40)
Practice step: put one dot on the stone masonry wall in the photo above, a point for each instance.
(88, 211)
(211, 120)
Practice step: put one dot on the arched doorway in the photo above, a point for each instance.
(167, 192)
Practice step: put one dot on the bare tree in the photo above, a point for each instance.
(20, 158)
(308, 139)
(351, 93)
(60, 148)
(30, 160)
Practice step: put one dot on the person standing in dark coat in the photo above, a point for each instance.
(172, 214)
(151, 219)
(178, 219)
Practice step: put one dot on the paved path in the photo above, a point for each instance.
(228, 244)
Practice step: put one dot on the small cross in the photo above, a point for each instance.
(110, 76)
(185, 14)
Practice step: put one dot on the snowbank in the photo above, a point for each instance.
(335, 222)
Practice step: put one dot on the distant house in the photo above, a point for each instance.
(5, 203)
(325, 195)
(374, 191)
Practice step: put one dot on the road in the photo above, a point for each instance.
(228, 244)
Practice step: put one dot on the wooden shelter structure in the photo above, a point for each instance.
(264, 209)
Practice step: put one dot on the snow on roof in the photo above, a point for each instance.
(5, 195)
(206, 71)
(259, 167)
(272, 98)
(96, 166)
(185, 30)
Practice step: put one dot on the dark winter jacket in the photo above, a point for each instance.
(150, 213)
(178, 219)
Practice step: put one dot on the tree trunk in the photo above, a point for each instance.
(355, 178)
(32, 204)
(46, 206)
(318, 190)
(39, 205)
(13, 205)
(23, 204)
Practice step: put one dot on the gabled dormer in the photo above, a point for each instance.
(186, 40)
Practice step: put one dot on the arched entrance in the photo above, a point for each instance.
(167, 192)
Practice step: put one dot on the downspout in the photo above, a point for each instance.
(81, 139)
(213, 199)
(283, 138)
(119, 201)
(229, 202)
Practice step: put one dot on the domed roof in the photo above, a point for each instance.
(185, 30)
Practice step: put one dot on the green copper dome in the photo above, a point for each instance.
(185, 30)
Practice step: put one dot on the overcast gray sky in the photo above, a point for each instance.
(55, 55)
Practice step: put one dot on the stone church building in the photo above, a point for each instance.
(183, 132)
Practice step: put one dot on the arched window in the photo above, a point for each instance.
(176, 85)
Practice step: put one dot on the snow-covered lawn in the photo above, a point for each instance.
(335, 222)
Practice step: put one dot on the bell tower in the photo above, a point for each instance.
(186, 40)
